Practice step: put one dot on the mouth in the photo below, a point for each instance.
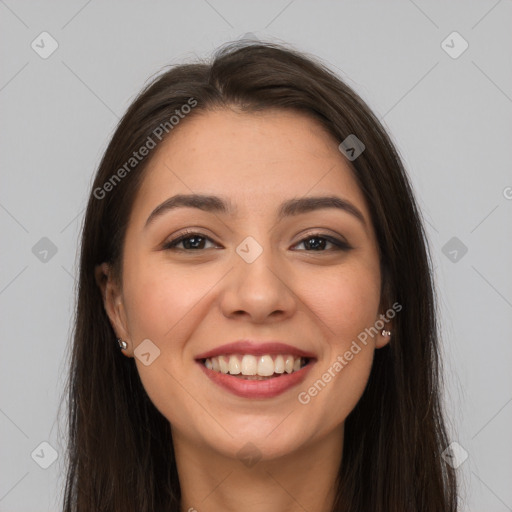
(251, 367)
(256, 377)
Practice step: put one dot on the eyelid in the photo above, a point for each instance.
(323, 233)
(339, 242)
(186, 233)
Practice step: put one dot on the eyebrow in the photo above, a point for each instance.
(291, 207)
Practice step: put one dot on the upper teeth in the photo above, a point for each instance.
(254, 365)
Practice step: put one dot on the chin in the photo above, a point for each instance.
(264, 439)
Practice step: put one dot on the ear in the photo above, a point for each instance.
(380, 339)
(386, 315)
(113, 303)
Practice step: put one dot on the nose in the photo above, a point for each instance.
(258, 291)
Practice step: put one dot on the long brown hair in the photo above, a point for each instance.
(120, 453)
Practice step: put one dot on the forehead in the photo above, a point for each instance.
(256, 158)
(245, 138)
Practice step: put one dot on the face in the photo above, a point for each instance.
(307, 276)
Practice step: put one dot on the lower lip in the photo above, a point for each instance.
(257, 388)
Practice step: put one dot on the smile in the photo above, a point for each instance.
(252, 367)
(256, 369)
(254, 385)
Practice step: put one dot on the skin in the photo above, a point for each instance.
(189, 302)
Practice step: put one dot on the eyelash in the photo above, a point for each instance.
(339, 245)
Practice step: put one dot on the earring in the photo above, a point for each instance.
(122, 344)
(385, 333)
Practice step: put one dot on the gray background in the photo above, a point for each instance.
(451, 121)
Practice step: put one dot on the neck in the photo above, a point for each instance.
(298, 481)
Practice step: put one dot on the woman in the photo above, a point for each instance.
(255, 327)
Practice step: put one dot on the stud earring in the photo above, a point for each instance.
(385, 333)
(122, 344)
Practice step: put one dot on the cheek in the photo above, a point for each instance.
(346, 301)
(336, 388)
(347, 304)
(163, 304)
(157, 300)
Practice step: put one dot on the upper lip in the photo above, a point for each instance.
(255, 348)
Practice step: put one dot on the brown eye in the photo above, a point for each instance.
(190, 242)
(318, 243)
